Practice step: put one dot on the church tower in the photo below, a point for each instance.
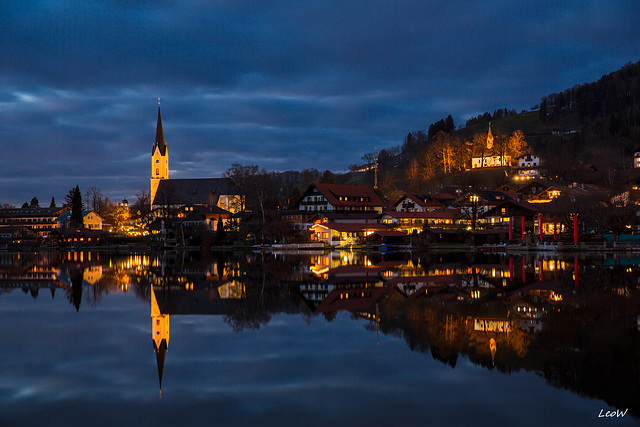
(159, 158)
(160, 334)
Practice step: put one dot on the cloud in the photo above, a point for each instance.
(280, 84)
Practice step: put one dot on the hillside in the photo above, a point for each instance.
(590, 124)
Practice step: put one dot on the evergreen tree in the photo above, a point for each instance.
(25, 205)
(53, 203)
(76, 208)
(35, 203)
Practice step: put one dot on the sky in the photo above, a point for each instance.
(286, 85)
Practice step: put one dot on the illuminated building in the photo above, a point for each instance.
(213, 198)
(489, 160)
(160, 334)
(320, 197)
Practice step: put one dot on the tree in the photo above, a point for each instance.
(53, 203)
(94, 199)
(76, 209)
(34, 203)
(141, 209)
(516, 145)
(68, 199)
(328, 177)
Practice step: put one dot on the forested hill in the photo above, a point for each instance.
(609, 107)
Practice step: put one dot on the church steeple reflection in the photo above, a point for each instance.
(160, 335)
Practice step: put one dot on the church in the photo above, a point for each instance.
(489, 157)
(207, 198)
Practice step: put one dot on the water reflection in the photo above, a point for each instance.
(573, 320)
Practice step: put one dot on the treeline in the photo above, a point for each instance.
(483, 119)
(610, 107)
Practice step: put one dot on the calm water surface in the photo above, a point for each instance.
(320, 339)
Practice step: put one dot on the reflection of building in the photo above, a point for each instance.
(160, 334)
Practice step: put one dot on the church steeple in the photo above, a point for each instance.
(489, 138)
(159, 158)
(159, 142)
(160, 334)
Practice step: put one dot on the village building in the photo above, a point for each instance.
(417, 203)
(489, 157)
(409, 222)
(213, 198)
(90, 220)
(39, 221)
(528, 166)
(321, 197)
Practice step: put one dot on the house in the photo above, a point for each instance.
(416, 203)
(90, 220)
(531, 215)
(531, 189)
(39, 220)
(476, 202)
(636, 158)
(528, 166)
(321, 197)
(408, 222)
(341, 234)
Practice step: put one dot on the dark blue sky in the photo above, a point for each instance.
(282, 84)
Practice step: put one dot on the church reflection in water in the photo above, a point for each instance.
(565, 318)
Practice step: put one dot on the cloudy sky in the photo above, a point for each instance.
(282, 84)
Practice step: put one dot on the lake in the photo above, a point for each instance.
(342, 338)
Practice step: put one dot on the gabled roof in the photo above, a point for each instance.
(32, 212)
(159, 142)
(339, 195)
(421, 200)
(67, 216)
(193, 191)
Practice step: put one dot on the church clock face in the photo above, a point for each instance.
(157, 160)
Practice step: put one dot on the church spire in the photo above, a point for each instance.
(160, 334)
(159, 143)
(489, 138)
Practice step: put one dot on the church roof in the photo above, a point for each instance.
(159, 142)
(202, 191)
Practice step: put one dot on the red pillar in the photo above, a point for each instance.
(555, 230)
(511, 269)
(541, 271)
(540, 226)
(575, 229)
(522, 228)
(510, 228)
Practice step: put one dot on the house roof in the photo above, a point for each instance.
(200, 191)
(421, 200)
(67, 215)
(32, 212)
(351, 195)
